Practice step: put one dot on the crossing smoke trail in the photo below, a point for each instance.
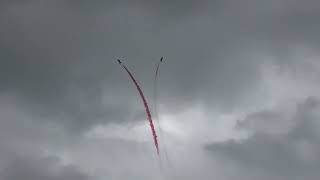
(157, 117)
(155, 140)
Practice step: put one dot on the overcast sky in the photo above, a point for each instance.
(238, 93)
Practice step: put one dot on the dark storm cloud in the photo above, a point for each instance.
(60, 59)
(59, 56)
(40, 63)
(293, 155)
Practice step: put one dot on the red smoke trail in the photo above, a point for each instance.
(145, 106)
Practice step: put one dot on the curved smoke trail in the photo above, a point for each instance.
(145, 105)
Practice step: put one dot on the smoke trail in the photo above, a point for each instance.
(145, 105)
(157, 117)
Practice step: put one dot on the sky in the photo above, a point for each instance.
(238, 92)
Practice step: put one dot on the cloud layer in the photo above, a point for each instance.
(238, 92)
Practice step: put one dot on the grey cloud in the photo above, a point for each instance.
(61, 61)
(58, 57)
(48, 168)
(209, 46)
(58, 70)
(282, 156)
(168, 9)
(269, 122)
